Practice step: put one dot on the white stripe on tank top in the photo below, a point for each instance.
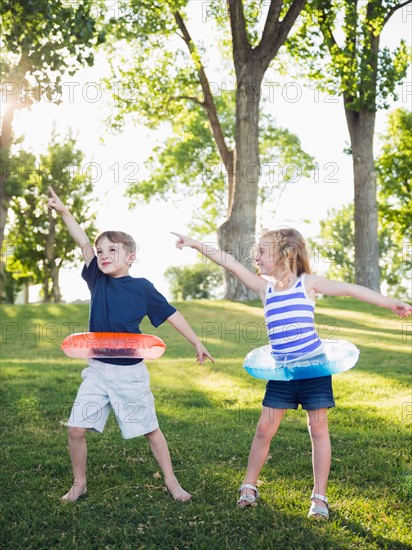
(289, 317)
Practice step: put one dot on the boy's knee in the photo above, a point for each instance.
(154, 436)
(76, 433)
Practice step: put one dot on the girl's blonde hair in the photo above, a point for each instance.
(117, 237)
(292, 247)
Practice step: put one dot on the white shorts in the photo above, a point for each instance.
(123, 388)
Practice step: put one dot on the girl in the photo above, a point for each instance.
(288, 290)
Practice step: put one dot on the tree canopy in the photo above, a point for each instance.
(394, 173)
(41, 41)
(41, 244)
(394, 206)
(164, 75)
(339, 42)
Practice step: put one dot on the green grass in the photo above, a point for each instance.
(208, 415)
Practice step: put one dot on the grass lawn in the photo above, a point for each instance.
(208, 415)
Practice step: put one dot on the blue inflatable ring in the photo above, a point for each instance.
(335, 357)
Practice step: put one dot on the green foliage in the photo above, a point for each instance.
(198, 281)
(12, 284)
(38, 240)
(149, 70)
(354, 65)
(336, 249)
(157, 81)
(16, 164)
(394, 174)
(395, 197)
(42, 39)
(282, 158)
(395, 260)
(188, 164)
(337, 245)
(395, 207)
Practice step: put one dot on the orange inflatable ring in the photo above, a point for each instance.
(125, 345)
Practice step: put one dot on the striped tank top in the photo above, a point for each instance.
(289, 317)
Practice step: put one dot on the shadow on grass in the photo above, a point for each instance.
(128, 508)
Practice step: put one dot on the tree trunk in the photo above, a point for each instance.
(26, 293)
(46, 291)
(237, 234)
(55, 291)
(52, 271)
(361, 129)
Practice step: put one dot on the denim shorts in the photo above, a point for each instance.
(311, 393)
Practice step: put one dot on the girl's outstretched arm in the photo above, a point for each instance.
(226, 260)
(55, 203)
(320, 285)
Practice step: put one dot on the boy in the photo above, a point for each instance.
(118, 304)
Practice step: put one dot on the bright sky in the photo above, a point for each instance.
(318, 120)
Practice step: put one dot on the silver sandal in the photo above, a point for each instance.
(247, 500)
(318, 512)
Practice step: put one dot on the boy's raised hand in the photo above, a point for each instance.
(55, 202)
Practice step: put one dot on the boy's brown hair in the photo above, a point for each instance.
(118, 237)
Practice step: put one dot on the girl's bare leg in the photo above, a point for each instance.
(321, 451)
(161, 453)
(78, 457)
(266, 429)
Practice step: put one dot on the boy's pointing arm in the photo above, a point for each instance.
(179, 323)
(55, 203)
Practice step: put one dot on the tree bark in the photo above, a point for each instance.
(52, 271)
(237, 234)
(46, 291)
(54, 275)
(26, 295)
(361, 125)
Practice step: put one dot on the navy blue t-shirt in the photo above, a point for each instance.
(118, 304)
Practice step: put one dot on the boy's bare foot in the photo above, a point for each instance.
(76, 491)
(177, 492)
